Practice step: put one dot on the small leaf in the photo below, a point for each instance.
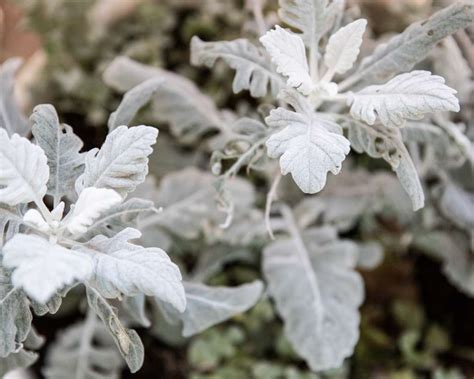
(127, 340)
(23, 170)
(61, 147)
(122, 162)
(307, 149)
(125, 268)
(458, 205)
(254, 70)
(92, 202)
(407, 96)
(42, 268)
(343, 47)
(288, 53)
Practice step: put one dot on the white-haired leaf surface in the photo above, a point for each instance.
(122, 162)
(387, 143)
(61, 147)
(319, 304)
(127, 340)
(404, 50)
(207, 306)
(288, 53)
(11, 118)
(343, 47)
(15, 315)
(92, 202)
(178, 101)
(406, 97)
(42, 268)
(458, 205)
(24, 170)
(253, 68)
(21, 359)
(124, 268)
(306, 148)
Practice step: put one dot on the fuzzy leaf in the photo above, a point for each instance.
(11, 118)
(122, 162)
(254, 70)
(23, 170)
(343, 47)
(178, 101)
(288, 53)
(92, 202)
(15, 316)
(407, 96)
(404, 50)
(10, 220)
(207, 306)
(61, 147)
(381, 142)
(307, 149)
(458, 205)
(125, 268)
(318, 303)
(42, 268)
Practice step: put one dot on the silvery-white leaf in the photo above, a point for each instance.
(458, 205)
(306, 148)
(42, 268)
(122, 161)
(254, 70)
(287, 51)
(381, 142)
(208, 306)
(35, 219)
(134, 307)
(343, 47)
(23, 170)
(317, 297)
(10, 220)
(11, 118)
(127, 340)
(83, 351)
(188, 198)
(21, 359)
(407, 96)
(453, 250)
(52, 305)
(312, 17)
(90, 205)
(404, 50)
(449, 63)
(124, 268)
(61, 147)
(118, 217)
(178, 101)
(15, 316)
(370, 254)
(133, 101)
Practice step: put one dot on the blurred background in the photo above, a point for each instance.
(415, 323)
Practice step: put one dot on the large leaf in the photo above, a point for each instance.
(61, 147)
(23, 170)
(124, 268)
(82, 351)
(92, 202)
(343, 47)
(177, 100)
(15, 315)
(122, 162)
(11, 118)
(308, 150)
(207, 306)
(407, 96)
(404, 50)
(254, 71)
(42, 268)
(317, 293)
(381, 142)
(288, 53)
(127, 340)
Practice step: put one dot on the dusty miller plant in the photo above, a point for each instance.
(328, 104)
